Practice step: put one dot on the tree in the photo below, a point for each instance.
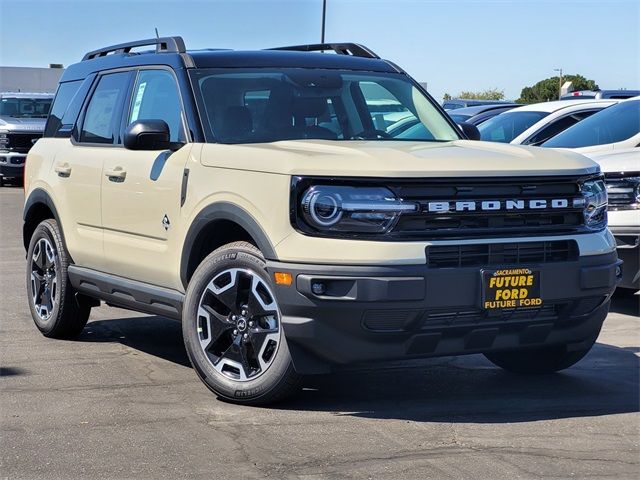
(489, 94)
(549, 89)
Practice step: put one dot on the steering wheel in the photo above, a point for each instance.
(368, 134)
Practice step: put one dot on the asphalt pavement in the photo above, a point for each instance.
(123, 402)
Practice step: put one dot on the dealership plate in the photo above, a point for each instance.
(509, 288)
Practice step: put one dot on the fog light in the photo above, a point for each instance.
(619, 271)
(318, 288)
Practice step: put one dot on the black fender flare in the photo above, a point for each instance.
(223, 211)
(38, 196)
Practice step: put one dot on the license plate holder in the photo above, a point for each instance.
(511, 288)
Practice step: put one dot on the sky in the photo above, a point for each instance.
(451, 45)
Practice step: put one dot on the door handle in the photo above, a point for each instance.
(63, 169)
(118, 174)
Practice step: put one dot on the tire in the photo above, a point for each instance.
(58, 313)
(232, 330)
(539, 360)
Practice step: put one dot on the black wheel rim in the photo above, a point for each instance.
(239, 324)
(44, 279)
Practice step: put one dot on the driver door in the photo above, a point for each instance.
(141, 190)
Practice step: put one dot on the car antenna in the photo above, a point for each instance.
(157, 36)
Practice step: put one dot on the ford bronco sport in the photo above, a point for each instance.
(254, 196)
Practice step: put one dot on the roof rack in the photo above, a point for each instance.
(352, 49)
(163, 45)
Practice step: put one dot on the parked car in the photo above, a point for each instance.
(22, 119)
(536, 123)
(287, 248)
(615, 94)
(480, 113)
(617, 127)
(622, 177)
(465, 102)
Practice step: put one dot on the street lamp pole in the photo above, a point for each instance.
(560, 82)
(324, 15)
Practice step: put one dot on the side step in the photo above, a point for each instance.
(126, 293)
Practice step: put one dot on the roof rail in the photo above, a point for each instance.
(163, 45)
(353, 49)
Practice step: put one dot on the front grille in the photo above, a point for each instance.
(488, 223)
(467, 318)
(621, 189)
(21, 142)
(500, 254)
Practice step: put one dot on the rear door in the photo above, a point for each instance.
(77, 168)
(141, 190)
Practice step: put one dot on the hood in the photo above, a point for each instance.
(627, 160)
(22, 124)
(461, 158)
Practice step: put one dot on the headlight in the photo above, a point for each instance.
(4, 141)
(623, 191)
(595, 204)
(348, 209)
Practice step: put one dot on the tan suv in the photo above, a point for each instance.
(259, 197)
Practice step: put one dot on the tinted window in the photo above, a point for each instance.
(613, 124)
(507, 126)
(267, 105)
(66, 92)
(558, 126)
(25, 107)
(102, 117)
(156, 97)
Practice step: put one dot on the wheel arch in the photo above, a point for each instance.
(218, 224)
(39, 206)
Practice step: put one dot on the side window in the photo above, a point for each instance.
(66, 92)
(156, 97)
(558, 126)
(102, 117)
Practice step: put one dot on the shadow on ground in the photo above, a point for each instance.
(450, 389)
(626, 301)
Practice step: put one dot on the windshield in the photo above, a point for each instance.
(459, 118)
(507, 126)
(25, 107)
(260, 105)
(611, 125)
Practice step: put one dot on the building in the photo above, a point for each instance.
(30, 79)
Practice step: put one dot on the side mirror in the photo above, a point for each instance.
(470, 130)
(148, 135)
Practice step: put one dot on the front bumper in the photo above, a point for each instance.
(628, 246)
(377, 313)
(12, 164)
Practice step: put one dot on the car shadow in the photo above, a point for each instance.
(466, 389)
(626, 301)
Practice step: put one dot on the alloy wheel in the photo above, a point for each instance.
(239, 324)
(44, 280)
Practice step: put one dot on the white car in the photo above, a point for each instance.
(534, 124)
(616, 128)
(622, 176)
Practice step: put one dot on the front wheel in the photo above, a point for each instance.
(232, 328)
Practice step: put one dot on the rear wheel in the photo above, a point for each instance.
(539, 360)
(54, 306)
(232, 328)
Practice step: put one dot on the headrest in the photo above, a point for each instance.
(310, 107)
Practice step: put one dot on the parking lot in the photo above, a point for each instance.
(123, 402)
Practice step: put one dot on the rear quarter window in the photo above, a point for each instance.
(64, 95)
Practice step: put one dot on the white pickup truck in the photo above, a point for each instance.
(622, 176)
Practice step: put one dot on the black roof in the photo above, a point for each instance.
(348, 57)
